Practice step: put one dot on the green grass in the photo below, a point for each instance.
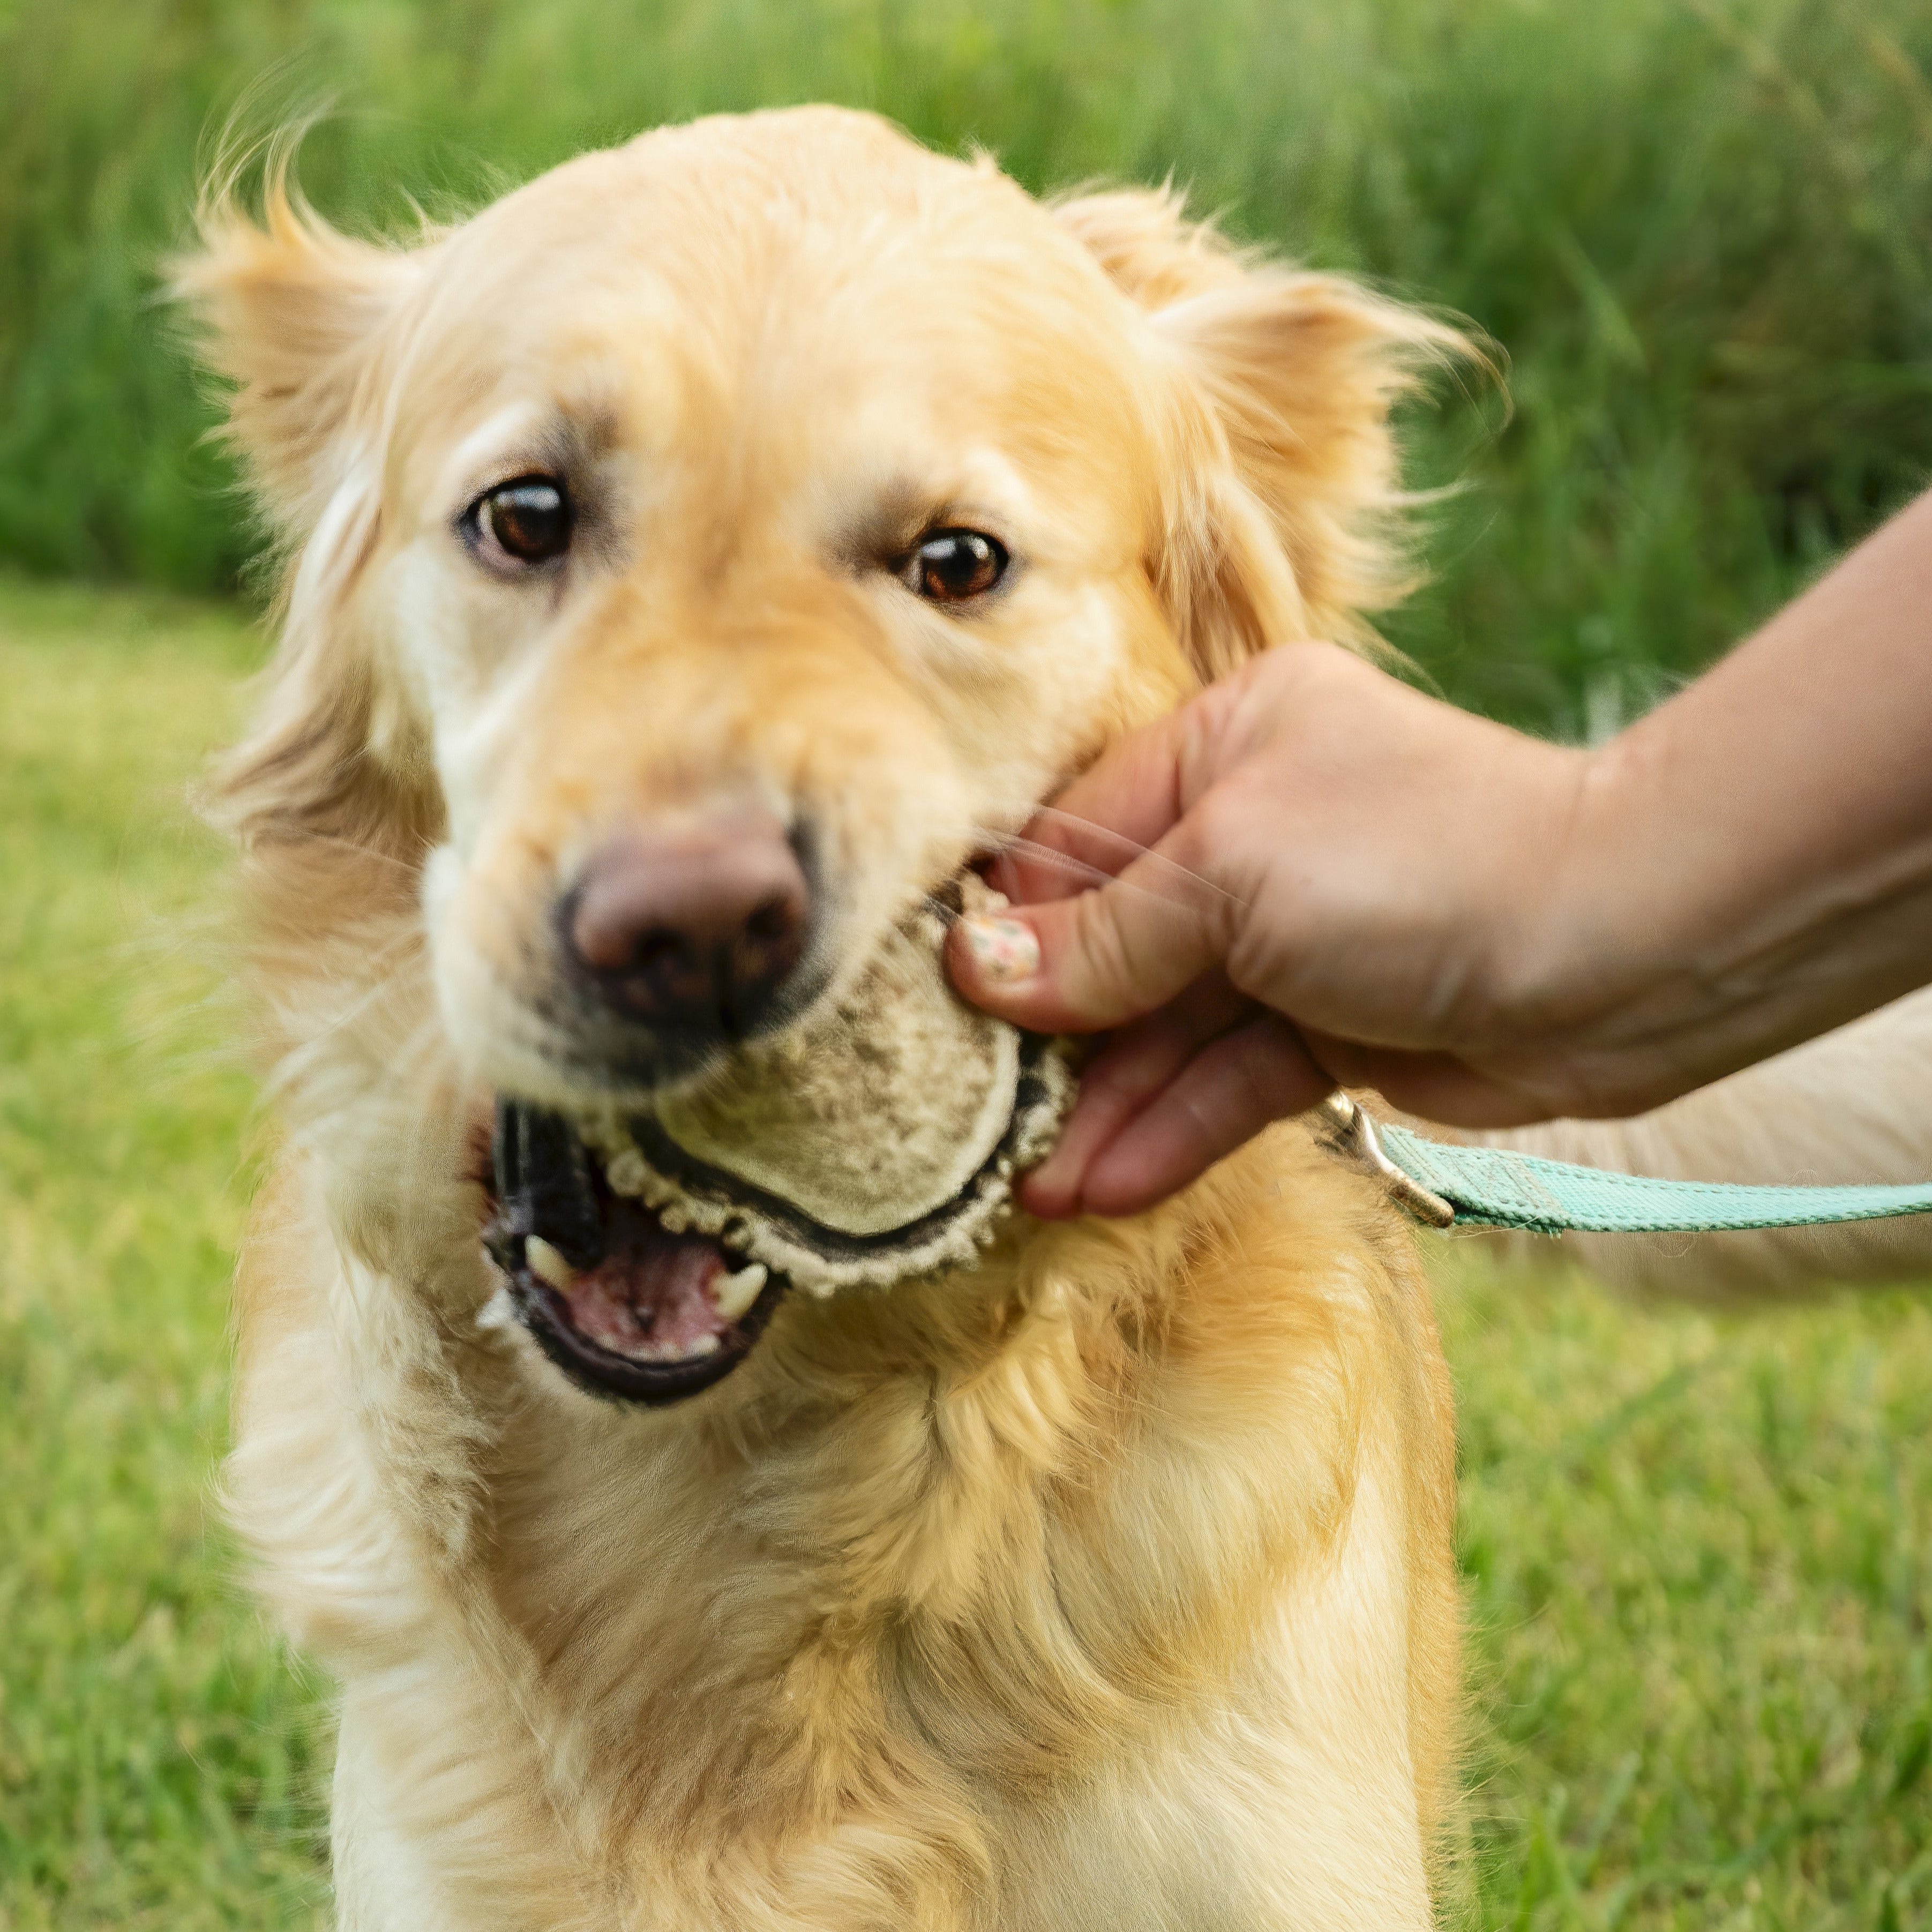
(157, 1766)
(1697, 1550)
(1696, 226)
(1697, 1557)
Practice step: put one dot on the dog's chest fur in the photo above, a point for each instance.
(1009, 1588)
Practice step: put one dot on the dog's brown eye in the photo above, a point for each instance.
(949, 566)
(527, 520)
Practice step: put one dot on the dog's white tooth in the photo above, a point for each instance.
(548, 1265)
(625, 1171)
(733, 1294)
(498, 1313)
(705, 1344)
(674, 1217)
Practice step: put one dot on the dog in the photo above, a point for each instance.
(695, 562)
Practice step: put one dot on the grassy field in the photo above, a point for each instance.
(1697, 1550)
(1697, 227)
(157, 1750)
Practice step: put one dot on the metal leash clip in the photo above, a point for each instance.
(1346, 1131)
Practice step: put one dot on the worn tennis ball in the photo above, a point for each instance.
(880, 1138)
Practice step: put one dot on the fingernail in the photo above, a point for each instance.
(1003, 950)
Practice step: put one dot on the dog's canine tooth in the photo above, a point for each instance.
(498, 1314)
(734, 1293)
(548, 1264)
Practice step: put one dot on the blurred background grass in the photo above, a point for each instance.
(1695, 1549)
(1699, 228)
(157, 1761)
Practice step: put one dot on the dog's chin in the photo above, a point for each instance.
(627, 1307)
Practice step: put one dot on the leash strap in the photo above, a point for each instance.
(1492, 1187)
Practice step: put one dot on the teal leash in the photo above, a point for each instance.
(1444, 1186)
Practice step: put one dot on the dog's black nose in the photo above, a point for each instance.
(692, 926)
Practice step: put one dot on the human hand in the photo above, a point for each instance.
(1316, 876)
(1349, 883)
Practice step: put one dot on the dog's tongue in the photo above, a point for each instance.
(651, 1297)
(625, 1305)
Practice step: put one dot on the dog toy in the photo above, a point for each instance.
(878, 1140)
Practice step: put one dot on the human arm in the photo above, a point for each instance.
(1488, 928)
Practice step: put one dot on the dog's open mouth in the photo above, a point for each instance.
(623, 1304)
(877, 1141)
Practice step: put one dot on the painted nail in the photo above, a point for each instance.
(1003, 950)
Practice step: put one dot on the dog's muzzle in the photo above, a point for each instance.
(878, 1140)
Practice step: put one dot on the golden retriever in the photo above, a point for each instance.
(774, 502)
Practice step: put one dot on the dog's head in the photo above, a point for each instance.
(703, 553)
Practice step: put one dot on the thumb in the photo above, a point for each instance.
(1098, 959)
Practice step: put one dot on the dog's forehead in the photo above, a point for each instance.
(739, 240)
(713, 197)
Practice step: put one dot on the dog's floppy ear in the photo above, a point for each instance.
(1286, 494)
(293, 315)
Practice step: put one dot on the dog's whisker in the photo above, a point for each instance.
(1131, 852)
(946, 913)
(1102, 836)
(387, 988)
(1155, 877)
(1051, 858)
(337, 842)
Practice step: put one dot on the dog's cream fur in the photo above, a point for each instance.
(1108, 1586)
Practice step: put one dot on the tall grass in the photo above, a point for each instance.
(1701, 229)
